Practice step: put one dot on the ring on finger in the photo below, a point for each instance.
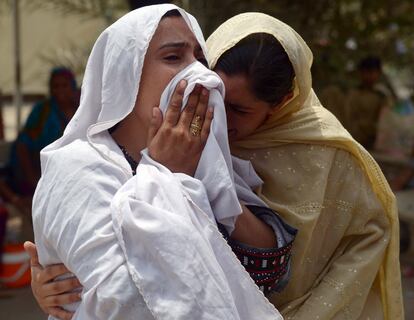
(195, 126)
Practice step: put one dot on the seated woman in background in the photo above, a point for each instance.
(45, 124)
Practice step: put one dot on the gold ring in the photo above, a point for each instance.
(195, 126)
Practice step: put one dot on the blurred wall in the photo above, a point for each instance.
(47, 38)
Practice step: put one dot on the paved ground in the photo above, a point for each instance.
(20, 305)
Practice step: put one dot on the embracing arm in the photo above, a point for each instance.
(49, 293)
(252, 231)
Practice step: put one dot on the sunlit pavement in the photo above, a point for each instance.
(19, 304)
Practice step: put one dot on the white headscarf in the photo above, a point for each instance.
(112, 82)
(113, 75)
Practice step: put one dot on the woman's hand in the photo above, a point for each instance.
(178, 141)
(49, 293)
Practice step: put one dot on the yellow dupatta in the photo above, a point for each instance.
(346, 254)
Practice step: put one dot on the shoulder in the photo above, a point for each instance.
(37, 109)
(351, 174)
(78, 165)
(75, 179)
(40, 107)
(80, 154)
(344, 162)
(319, 163)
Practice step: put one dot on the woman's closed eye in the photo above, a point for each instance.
(176, 57)
(236, 109)
(172, 58)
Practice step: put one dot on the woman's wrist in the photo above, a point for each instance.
(252, 231)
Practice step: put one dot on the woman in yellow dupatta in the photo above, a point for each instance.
(346, 255)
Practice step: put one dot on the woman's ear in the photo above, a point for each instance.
(285, 99)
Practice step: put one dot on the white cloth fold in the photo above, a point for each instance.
(166, 226)
(215, 166)
(246, 180)
(177, 258)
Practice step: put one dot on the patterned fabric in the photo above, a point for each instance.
(44, 125)
(269, 268)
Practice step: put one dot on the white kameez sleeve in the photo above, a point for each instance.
(77, 230)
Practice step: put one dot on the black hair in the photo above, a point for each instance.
(65, 72)
(370, 63)
(266, 64)
(172, 13)
(135, 4)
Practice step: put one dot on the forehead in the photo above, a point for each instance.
(237, 87)
(172, 29)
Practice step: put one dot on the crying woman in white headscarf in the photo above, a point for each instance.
(141, 200)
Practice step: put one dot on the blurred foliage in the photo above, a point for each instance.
(339, 32)
(71, 56)
(110, 10)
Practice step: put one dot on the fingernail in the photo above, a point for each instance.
(154, 112)
(183, 84)
(204, 92)
(210, 109)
